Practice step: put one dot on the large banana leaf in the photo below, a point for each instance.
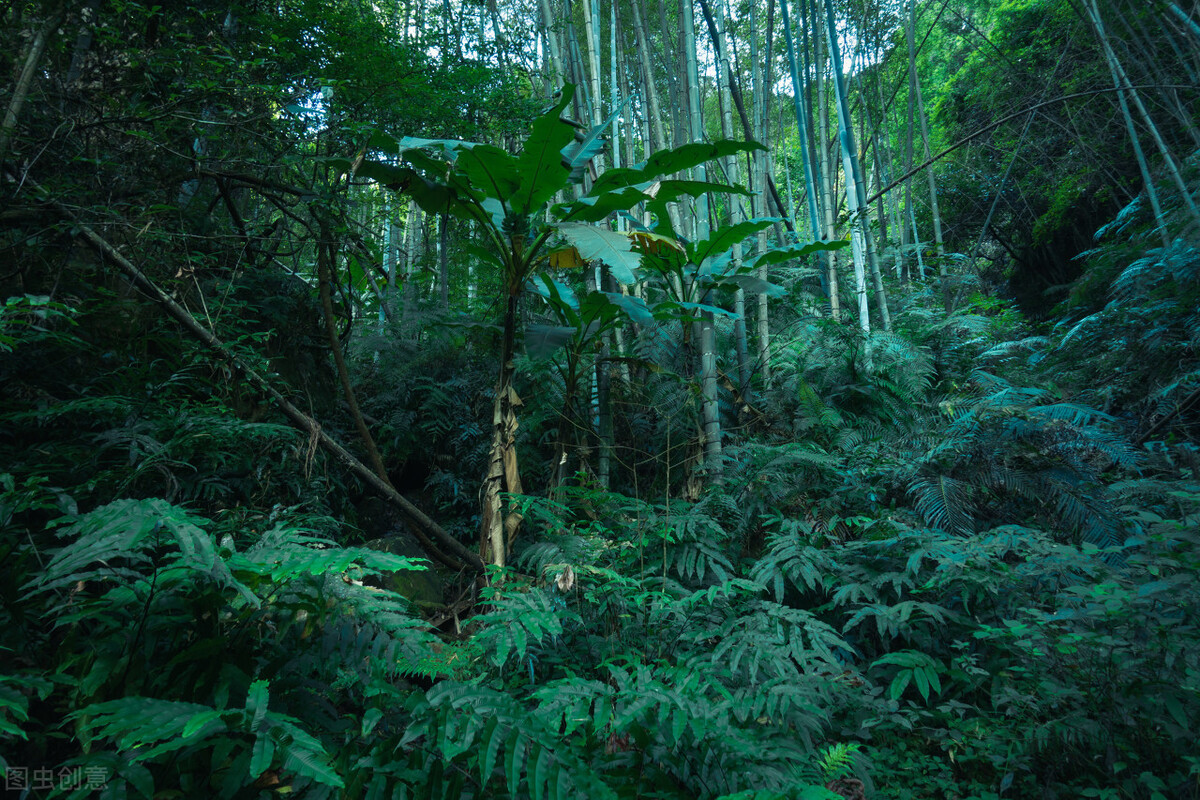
(540, 166)
(666, 162)
(603, 245)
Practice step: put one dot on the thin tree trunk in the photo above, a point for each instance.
(659, 140)
(424, 528)
(801, 125)
(556, 60)
(716, 29)
(444, 261)
(1120, 79)
(853, 173)
(827, 205)
(21, 91)
(909, 135)
(710, 410)
(591, 29)
(83, 42)
(1148, 179)
(758, 200)
(408, 298)
(915, 87)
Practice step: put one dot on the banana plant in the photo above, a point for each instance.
(509, 199)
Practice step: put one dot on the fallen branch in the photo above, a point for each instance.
(1187, 402)
(456, 556)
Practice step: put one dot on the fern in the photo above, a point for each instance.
(518, 622)
(944, 502)
(506, 747)
(146, 729)
(779, 641)
(837, 760)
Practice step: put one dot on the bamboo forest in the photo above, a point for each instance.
(601, 399)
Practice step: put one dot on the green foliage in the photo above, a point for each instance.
(936, 566)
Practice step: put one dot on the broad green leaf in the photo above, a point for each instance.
(652, 242)
(634, 308)
(560, 296)
(899, 684)
(261, 754)
(583, 149)
(199, 721)
(540, 165)
(797, 251)
(666, 162)
(257, 700)
(922, 680)
(713, 265)
(697, 307)
(594, 209)
(490, 739)
(539, 773)
(433, 198)
(491, 169)
(389, 144)
(447, 149)
(393, 177)
(371, 718)
(603, 245)
(725, 238)
(495, 210)
(483, 254)
(671, 190)
(932, 674)
(514, 753)
(750, 284)
(902, 658)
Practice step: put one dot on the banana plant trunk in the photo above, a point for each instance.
(499, 525)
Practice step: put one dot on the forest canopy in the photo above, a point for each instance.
(583, 398)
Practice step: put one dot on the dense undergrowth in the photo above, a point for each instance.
(950, 572)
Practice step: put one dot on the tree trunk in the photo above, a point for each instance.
(758, 200)
(556, 60)
(21, 91)
(850, 167)
(498, 526)
(444, 261)
(591, 29)
(914, 84)
(717, 26)
(827, 204)
(710, 410)
(799, 101)
(1120, 79)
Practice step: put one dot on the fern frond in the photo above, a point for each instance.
(944, 502)
(517, 622)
